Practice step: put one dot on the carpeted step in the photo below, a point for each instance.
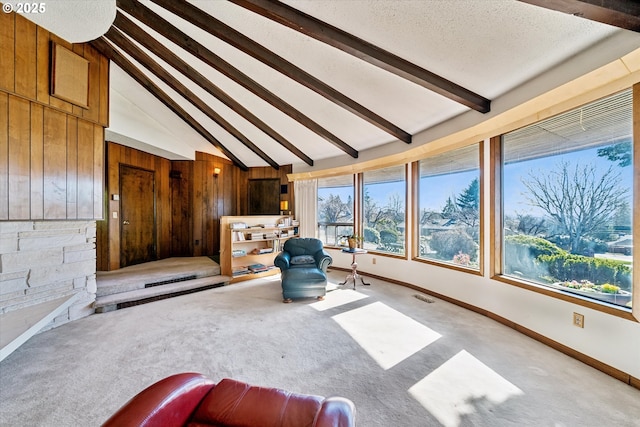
(154, 273)
(141, 296)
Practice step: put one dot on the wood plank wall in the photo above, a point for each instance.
(108, 247)
(190, 200)
(213, 197)
(51, 151)
(242, 189)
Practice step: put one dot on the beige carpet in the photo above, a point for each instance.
(403, 361)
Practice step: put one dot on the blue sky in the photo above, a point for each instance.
(439, 188)
(513, 188)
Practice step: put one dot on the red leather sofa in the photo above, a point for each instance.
(190, 399)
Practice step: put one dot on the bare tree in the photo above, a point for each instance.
(334, 209)
(395, 208)
(579, 199)
(372, 212)
(530, 224)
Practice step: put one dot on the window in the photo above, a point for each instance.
(567, 185)
(335, 208)
(383, 210)
(449, 208)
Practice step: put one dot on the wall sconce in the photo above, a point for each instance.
(216, 172)
(284, 206)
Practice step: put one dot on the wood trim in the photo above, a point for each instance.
(69, 76)
(603, 307)
(636, 201)
(363, 50)
(610, 78)
(238, 40)
(496, 247)
(415, 209)
(416, 230)
(481, 205)
(588, 360)
(449, 266)
(4, 152)
(495, 206)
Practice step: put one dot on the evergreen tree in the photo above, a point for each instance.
(620, 152)
(450, 209)
(468, 204)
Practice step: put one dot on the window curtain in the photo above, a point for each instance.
(306, 193)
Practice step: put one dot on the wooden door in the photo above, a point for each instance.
(137, 215)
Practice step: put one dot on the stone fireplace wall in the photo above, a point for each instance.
(44, 260)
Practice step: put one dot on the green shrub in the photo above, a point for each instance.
(536, 258)
(522, 253)
(588, 245)
(537, 245)
(566, 266)
(449, 243)
(371, 235)
(388, 236)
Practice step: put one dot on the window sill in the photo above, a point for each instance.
(604, 307)
(477, 272)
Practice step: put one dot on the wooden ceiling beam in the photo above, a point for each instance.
(619, 13)
(218, 29)
(112, 54)
(160, 50)
(346, 42)
(124, 44)
(166, 29)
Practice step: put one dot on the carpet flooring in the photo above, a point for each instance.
(402, 360)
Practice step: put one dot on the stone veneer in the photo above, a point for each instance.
(45, 260)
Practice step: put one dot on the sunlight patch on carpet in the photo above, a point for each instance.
(337, 298)
(387, 335)
(460, 385)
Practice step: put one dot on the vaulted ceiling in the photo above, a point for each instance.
(328, 82)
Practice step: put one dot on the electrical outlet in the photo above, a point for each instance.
(578, 320)
(373, 260)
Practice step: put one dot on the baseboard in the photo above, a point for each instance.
(587, 360)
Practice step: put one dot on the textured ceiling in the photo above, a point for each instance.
(503, 50)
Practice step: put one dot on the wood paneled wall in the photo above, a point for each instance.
(51, 151)
(242, 189)
(213, 197)
(190, 200)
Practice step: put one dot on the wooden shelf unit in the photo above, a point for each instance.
(239, 251)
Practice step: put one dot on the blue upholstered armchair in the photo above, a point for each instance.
(303, 263)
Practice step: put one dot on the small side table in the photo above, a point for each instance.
(354, 267)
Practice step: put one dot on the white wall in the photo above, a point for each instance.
(607, 338)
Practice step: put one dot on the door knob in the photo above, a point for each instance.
(125, 222)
